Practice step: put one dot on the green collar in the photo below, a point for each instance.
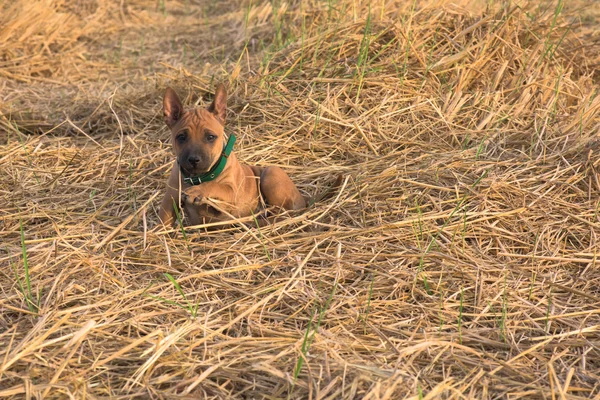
(217, 168)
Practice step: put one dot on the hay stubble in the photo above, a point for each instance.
(459, 258)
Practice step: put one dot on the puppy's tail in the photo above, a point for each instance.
(325, 194)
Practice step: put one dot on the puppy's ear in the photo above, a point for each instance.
(172, 107)
(219, 104)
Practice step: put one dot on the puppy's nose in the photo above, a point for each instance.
(193, 160)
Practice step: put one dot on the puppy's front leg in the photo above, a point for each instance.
(207, 201)
(196, 194)
(166, 212)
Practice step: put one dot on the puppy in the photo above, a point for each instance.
(214, 186)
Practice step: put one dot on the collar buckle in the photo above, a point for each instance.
(193, 180)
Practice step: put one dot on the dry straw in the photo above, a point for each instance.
(457, 260)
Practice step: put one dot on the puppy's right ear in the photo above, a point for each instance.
(172, 107)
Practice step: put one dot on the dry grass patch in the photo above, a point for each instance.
(459, 258)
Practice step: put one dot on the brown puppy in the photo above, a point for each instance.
(213, 185)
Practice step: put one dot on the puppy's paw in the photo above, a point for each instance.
(190, 199)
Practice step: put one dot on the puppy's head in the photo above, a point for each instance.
(197, 135)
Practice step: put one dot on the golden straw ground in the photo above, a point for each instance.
(458, 260)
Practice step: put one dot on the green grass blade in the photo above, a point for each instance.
(304, 348)
(179, 220)
(167, 301)
(28, 296)
(176, 284)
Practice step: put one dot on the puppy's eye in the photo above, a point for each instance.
(210, 137)
(182, 137)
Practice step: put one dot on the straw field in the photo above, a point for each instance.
(458, 258)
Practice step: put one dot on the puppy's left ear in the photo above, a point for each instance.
(219, 104)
